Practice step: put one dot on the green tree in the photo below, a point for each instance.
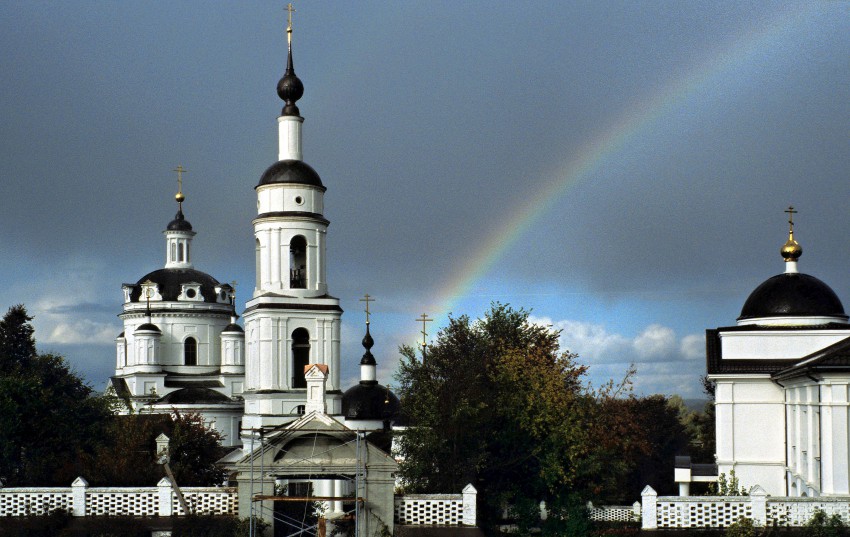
(49, 417)
(129, 458)
(495, 403)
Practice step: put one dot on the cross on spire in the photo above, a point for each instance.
(233, 292)
(290, 11)
(366, 298)
(791, 212)
(424, 319)
(179, 196)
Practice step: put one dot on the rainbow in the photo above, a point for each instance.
(740, 51)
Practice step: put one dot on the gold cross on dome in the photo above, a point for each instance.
(791, 212)
(233, 292)
(290, 11)
(366, 298)
(180, 169)
(424, 319)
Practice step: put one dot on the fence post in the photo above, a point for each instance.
(636, 510)
(649, 508)
(758, 499)
(470, 497)
(165, 499)
(78, 497)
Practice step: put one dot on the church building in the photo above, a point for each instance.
(782, 377)
(181, 348)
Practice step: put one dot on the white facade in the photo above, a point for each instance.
(181, 349)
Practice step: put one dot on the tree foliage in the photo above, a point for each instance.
(495, 402)
(54, 428)
(49, 417)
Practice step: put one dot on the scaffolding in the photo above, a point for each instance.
(285, 525)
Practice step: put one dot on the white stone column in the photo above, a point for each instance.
(649, 508)
(758, 499)
(470, 506)
(78, 497)
(165, 498)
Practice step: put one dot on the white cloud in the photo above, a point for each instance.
(83, 331)
(657, 352)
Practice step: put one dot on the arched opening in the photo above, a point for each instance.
(298, 263)
(173, 252)
(190, 351)
(180, 252)
(300, 356)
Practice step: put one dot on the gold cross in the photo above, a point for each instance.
(791, 212)
(424, 319)
(180, 169)
(366, 298)
(233, 292)
(291, 10)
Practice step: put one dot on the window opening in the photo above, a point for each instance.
(298, 263)
(190, 351)
(300, 356)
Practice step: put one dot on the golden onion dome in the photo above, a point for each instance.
(791, 250)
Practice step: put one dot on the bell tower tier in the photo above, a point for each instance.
(290, 321)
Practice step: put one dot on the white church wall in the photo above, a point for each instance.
(750, 413)
(777, 344)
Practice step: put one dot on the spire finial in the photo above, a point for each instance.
(367, 298)
(791, 250)
(179, 196)
(290, 88)
(424, 319)
(368, 360)
(290, 11)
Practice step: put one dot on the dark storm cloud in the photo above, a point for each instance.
(429, 124)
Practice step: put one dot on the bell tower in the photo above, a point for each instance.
(290, 321)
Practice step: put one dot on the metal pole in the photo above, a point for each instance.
(251, 521)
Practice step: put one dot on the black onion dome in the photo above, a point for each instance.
(370, 402)
(233, 327)
(188, 396)
(792, 295)
(291, 171)
(368, 359)
(148, 327)
(170, 281)
(290, 88)
(179, 223)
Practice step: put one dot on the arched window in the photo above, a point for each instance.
(298, 263)
(180, 252)
(190, 351)
(300, 356)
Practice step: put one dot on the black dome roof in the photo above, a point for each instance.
(195, 395)
(233, 327)
(150, 327)
(170, 280)
(792, 295)
(179, 223)
(291, 171)
(366, 401)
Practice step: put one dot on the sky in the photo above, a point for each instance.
(620, 169)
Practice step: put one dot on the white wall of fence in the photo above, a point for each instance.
(660, 512)
(437, 509)
(81, 500)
